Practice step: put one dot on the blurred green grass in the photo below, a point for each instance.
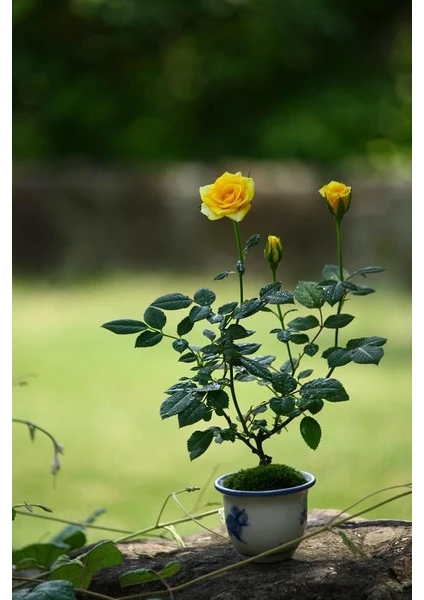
(100, 398)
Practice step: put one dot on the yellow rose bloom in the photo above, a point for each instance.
(230, 196)
(338, 197)
(273, 251)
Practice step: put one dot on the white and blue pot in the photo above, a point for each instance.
(259, 521)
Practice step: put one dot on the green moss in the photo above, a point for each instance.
(269, 477)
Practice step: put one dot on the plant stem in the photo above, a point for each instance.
(235, 402)
(240, 264)
(341, 276)
(280, 316)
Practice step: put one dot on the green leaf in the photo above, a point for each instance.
(13, 514)
(137, 576)
(42, 555)
(289, 365)
(248, 308)
(155, 318)
(125, 326)
(104, 554)
(211, 335)
(50, 590)
(68, 570)
(282, 297)
(172, 302)
(224, 274)
(72, 535)
(255, 368)
(305, 373)
(363, 290)
(333, 272)
(304, 323)
(192, 414)
(299, 338)
(349, 543)
(199, 442)
(338, 321)
(204, 297)
(338, 357)
(282, 406)
(283, 383)
(170, 569)
(227, 308)
(366, 271)
(184, 326)
(252, 241)
(270, 288)
(180, 345)
(218, 399)
(324, 389)
(311, 349)
(237, 332)
(284, 335)
(311, 432)
(178, 402)
(249, 348)
(315, 406)
(367, 355)
(188, 357)
(366, 341)
(198, 313)
(148, 338)
(334, 293)
(309, 294)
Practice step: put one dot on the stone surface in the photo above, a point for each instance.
(323, 567)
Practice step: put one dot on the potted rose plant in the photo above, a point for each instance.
(265, 506)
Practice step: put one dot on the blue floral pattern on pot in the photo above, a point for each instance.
(303, 515)
(236, 520)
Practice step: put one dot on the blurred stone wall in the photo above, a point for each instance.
(76, 220)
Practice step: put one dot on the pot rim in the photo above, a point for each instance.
(311, 480)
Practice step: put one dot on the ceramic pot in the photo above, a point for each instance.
(260, 521)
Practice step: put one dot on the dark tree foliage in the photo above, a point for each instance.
(196, 79)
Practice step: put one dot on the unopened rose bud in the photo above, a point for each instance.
(338, 197)
(273, 251)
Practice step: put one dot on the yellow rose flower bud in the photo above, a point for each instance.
(273, 251)
(338, 197)
(230, 196)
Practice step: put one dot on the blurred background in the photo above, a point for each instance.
(121, 110)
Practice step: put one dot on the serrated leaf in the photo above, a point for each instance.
(309, 294)
(303, 323)
(367, 355)
(204, 297)
(311, 432)
(177, 403)
(324, 389)
(199, 442)
(282, 406)
(125, 326)
(218, 399)
(363, 290)
(155, 318)
(185, 326)
(236, 332)
(289, 365)
(198, 313)
(299, 338)
(366, 341)
(334, 293)
(270, 288)
(283, 335)
(315, 406)
(333, 272)
(339, 357)
(338, 321)
(148, 339)
(252, 241)
(248, 308)
(227, 308)
(282, 297)
(283, 383)
(249, 348)
(311, 349)
(255, 368)
(305, 373)
(180, 345)
(192, 414)
(174, 301)
(188, 357)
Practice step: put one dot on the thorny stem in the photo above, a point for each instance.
(280, 316)
(240, 264)
(341, 276)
